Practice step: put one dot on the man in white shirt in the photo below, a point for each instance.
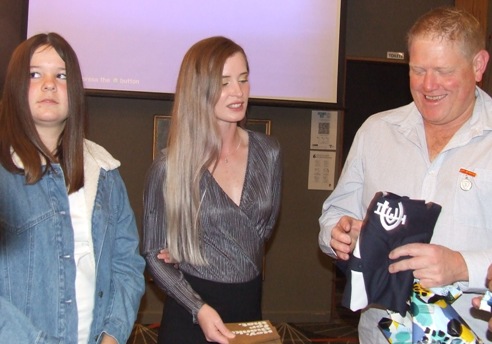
(437, 148)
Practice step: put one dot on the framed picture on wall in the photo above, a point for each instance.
(163, 122)
(261, 125)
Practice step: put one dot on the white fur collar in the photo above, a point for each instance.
(95, 159)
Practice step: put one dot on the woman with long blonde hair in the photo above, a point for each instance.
(211, 200)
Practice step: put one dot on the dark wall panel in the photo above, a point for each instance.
(377, 26)
(372, 87)
(13, 16)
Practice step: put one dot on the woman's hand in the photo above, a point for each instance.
(477, 300)
(107, 339)
(212, 326)
(166, 257)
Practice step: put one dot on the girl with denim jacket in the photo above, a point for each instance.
(70, 269)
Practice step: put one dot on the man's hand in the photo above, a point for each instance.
(344, 236)
(433, 265)
(212, 326)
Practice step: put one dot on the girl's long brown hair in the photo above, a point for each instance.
(17, 130)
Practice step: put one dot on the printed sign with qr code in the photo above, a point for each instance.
(324, 130)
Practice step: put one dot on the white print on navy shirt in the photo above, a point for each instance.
(390, 218)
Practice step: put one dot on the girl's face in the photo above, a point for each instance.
(233, 100)
(48, 98)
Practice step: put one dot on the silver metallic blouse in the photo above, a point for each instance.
(233, 237)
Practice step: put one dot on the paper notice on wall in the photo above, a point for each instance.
(324, 129)
(321, 170)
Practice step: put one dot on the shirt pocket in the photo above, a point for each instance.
(19, 214)
(473, 199)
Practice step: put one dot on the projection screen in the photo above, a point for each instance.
(137, 45)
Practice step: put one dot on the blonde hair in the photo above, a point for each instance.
(194, 143)
(450, 24)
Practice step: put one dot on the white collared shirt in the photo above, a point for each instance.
(389, 153)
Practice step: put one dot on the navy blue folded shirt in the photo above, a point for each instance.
(391, 221)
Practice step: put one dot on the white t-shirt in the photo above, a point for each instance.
(85, 280)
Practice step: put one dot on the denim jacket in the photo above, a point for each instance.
(37, 269)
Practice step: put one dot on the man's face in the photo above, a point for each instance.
(442, 81)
